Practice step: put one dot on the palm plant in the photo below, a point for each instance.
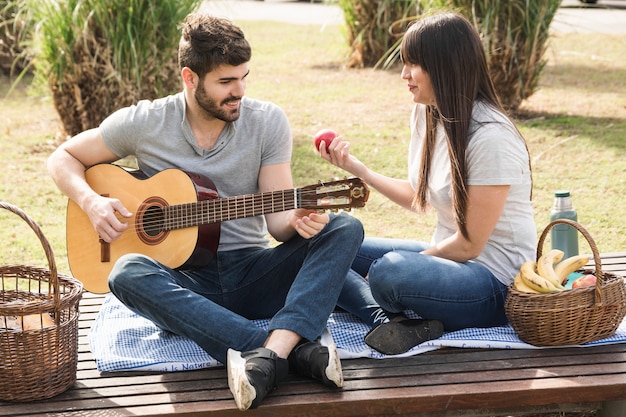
(515, 35)
(14, 29)
(374, 27)
(99, 55)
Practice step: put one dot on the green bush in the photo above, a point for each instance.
(375, 28)
(99, 55)
(515, 35)
(14, 30)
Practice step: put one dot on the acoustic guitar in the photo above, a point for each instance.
(177, 215)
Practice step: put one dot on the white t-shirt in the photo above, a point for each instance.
(496, 155)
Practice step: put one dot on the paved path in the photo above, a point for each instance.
(605, 16)
(290, 11)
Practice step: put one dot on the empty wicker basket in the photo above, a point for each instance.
(38, 327)
(570, 317)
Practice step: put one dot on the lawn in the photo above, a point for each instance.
(575, 126)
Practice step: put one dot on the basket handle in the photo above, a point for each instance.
(592, 245)
(54, 279)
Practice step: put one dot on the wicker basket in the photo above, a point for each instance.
(38, 327)
(570, 317)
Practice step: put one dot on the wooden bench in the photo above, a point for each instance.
(447, 382)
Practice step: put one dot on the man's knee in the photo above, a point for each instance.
(349, 225)
(127, 268)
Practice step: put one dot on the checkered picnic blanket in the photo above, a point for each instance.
(121, 340)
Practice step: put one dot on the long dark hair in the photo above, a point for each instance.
(449, 49)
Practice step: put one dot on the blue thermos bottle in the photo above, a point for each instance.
(563, 236)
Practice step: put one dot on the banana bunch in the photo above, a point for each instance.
(543, 276)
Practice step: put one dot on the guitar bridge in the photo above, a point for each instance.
(105, 251)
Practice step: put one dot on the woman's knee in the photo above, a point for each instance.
(400, 273)
(383, 275)
(391, 264)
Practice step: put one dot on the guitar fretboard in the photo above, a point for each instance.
(218, 210)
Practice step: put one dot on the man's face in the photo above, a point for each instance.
(220, 93)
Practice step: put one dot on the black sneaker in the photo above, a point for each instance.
(254, 374)
(319, 362)
(396, 337)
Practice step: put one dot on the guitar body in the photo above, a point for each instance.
(177, 215)
(91, 259)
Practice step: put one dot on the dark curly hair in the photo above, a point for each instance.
(208, 42)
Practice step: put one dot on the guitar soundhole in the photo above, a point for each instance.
(151, 221)
(155, 224)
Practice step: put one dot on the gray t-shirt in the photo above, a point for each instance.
(158, 134)
(496, 155)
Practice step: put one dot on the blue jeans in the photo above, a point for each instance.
(400, 278)
(296, 284)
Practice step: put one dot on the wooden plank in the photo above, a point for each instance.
(476, 372)
(447, 382)
(374, 402)
(613, 262)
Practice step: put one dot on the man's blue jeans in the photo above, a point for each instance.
(296, 284)
(400, 278)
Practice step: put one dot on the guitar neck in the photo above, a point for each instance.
(230, 208)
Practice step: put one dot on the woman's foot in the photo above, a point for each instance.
(398, 336)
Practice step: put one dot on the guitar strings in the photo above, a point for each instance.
(217, 210)
(228, 208)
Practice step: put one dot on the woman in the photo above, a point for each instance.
(469, 163)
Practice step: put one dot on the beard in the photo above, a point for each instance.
(213, 109)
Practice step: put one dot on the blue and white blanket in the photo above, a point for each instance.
(121, 340)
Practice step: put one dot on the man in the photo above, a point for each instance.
(244, 147)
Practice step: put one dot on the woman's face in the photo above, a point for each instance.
(419, 84)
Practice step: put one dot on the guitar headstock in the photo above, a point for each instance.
(334, 195)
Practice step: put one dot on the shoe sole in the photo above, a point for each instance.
(243, 392)
(394, 338)
(333, 370)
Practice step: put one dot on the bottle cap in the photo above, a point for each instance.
(561, 193)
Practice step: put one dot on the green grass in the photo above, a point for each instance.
(575, 126)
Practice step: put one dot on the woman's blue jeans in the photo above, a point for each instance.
(296, 284)
(400, 278)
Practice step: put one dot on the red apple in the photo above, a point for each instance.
(325, 135)
(584, 281)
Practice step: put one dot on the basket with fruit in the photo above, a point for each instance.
(545, 310)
